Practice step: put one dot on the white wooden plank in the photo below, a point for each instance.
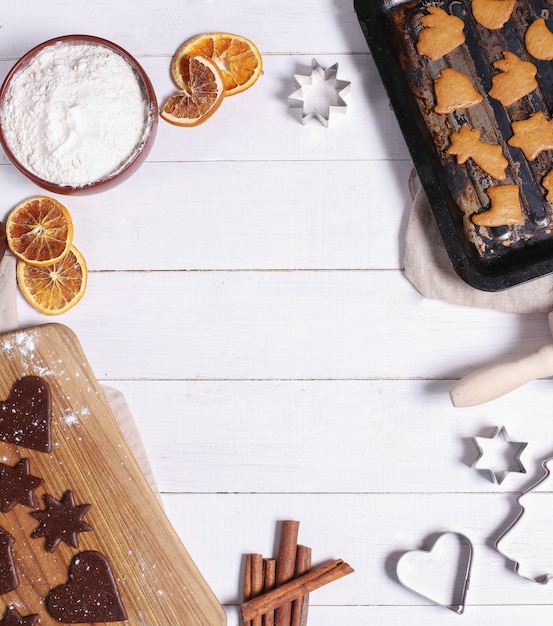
(368, 531)
(331, 436)
(415, 616)
(259, 325)
(157, 28)
(254, 222)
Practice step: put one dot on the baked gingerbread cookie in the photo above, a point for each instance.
(547, 182)
(454, 90)
(442, 33)
(505, 208)
(492, 14)
(517, 78)
(466, 144)
(539, 40)
(533, 135)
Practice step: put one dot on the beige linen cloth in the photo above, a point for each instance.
(429, 269)
(114, 398)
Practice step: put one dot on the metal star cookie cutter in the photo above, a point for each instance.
(512, 460)
(319, 93)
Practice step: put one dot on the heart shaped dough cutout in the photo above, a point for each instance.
(90, 594)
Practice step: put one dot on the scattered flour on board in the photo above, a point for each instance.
(24, 342)
(71, 417)
(25, 345)
(76, 113)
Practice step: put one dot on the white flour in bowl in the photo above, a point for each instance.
(76, 114)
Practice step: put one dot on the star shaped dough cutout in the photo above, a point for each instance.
(498, 455)
(60, 521)
(12, 617)
(17, 485)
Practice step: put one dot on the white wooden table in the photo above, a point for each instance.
(247, 296)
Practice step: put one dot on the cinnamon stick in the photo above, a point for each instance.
(294, 589)
(285, 566)
(247, 591)
(257, 583)
(269, 571)
(300, 607)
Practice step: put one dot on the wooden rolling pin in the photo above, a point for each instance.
(495, 381)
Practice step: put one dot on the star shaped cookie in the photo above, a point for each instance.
(532, 135)
(60, 521)
(17, 485)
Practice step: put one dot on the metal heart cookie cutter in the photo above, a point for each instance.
(319, 93)
(441, 573)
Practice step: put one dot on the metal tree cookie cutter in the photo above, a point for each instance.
(507, 455)
(319, 93)
(441, 573)
(526, 541)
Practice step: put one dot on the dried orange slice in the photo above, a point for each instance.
(237, 57)
(54, 289)
(39, 230)
(203, 92)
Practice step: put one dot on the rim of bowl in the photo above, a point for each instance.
(119, 175)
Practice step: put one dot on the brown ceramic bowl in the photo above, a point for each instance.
(132, 161)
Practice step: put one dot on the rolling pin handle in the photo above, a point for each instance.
(492, 382)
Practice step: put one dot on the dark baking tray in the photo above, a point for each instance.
(490, 259)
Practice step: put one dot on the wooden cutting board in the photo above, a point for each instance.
(136, 556)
